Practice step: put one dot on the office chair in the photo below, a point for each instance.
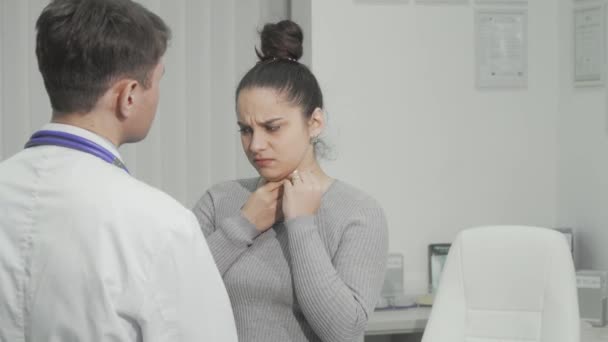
(506, 284)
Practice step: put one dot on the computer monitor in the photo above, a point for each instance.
(393, 280)
(438, 253)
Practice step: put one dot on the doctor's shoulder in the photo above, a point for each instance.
(152, 202)
(149, 208)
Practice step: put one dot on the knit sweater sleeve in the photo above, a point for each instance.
(338, 294)
(228, 238)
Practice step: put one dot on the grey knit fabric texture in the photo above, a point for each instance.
(314, 278)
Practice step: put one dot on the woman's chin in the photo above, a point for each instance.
(272, 177)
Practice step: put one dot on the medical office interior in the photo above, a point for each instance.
(410, 119)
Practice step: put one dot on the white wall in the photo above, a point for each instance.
(583, 158)
(301, 14)
(193, 142)
(406, 122)
(410, 128)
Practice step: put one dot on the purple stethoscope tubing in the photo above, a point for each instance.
(57, 138)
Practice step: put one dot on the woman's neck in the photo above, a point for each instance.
(314, 167)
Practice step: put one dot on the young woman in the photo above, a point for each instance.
(302, 254)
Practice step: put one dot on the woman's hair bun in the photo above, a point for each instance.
(282, 40)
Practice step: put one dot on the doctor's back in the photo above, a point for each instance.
(87, 252)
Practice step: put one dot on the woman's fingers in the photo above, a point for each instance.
(296, 177)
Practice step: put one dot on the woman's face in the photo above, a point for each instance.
(274, 133)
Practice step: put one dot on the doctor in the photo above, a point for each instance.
(87, 252)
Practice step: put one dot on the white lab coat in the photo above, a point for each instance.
(88, 253)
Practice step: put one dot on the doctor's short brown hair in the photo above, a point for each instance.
(83, 46)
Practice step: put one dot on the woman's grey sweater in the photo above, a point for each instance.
(314, 278)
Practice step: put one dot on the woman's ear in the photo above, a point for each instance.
(316, 123)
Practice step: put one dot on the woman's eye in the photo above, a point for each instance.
(245, 130)
(273, 128)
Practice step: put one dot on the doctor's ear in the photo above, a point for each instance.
(127, 96)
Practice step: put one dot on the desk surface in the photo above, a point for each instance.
(406, 321)
(403, 321)
(589, 334)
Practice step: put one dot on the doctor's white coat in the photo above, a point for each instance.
(88, 253)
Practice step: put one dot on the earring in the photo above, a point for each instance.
(314, 140)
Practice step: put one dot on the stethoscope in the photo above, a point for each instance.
(74, 142)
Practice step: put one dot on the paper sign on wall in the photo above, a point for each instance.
(589, 45)
(501, 48)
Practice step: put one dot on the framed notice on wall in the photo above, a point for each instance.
(501, 39)
(381, 2)
(501, 2)
(442, 2)
(589, 45)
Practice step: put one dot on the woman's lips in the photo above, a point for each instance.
(263, 162)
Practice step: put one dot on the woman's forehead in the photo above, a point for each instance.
(263, 95)
(264, 104)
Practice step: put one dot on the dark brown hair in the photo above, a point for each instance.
(84, 45)
(279, 69)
